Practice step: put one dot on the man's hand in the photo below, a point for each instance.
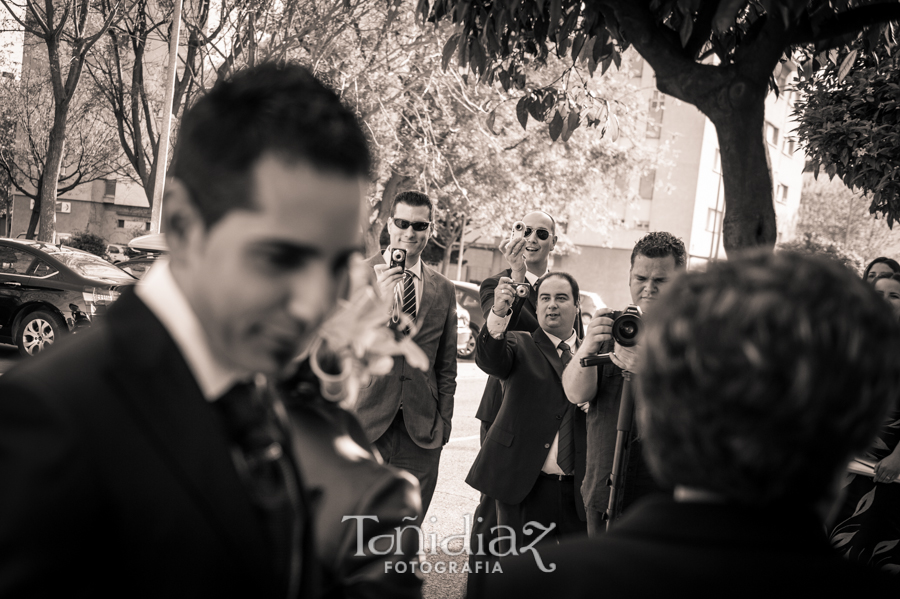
(504, 296)
(886, 470)
(625, 358)
(598, 331)
(387, 279)
(585, 406)
(514, 252)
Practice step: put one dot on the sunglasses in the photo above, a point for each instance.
(542, 234)
(417, 226)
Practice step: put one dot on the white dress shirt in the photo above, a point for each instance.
(162, 295)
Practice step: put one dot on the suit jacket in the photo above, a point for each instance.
(510, 460)
(118, 478)
(427, 396)
(523, 318)
(668, 549)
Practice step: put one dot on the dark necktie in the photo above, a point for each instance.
(409, 297)
(261, 454)
(565, 457)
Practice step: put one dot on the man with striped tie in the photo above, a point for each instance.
(533, 458)
(406, 413)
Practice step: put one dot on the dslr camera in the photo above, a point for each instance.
(626, 329)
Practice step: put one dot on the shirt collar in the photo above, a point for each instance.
(416, 270)
(570, 341)
(162, 295)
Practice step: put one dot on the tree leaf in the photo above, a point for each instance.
(522, 111)
(556, 126)
(449, 47)
(687, 27)
(489, 123)
(577, 45)
(847, 64)
(572, 122)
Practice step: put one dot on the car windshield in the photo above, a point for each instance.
(93, 267)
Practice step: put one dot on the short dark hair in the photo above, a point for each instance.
(270, 108)
(763, 375)
(560, 275)
(413, 198)
(660, 244)
(890, 262)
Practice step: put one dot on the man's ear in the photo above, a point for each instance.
(553, 245)
(183, 222)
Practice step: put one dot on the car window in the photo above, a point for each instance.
(14, 262)
(94, 267)
(138, 269)
(469, 301)
(42, 269)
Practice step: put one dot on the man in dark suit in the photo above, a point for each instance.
(655, 260)
(528, 259)
(407, 413)
(150, 457)
(532, 461)
(760, 378)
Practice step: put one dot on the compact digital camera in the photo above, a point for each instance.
(522, 289)
(518, 231)
(398, 258)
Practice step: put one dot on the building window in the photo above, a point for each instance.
(120, 224)
(717, 165)
(642, 225)
(787, 145)
(771, 134)
(713, 220)
(110, 187)
(646, 186)
(781, 194)
(655, 115)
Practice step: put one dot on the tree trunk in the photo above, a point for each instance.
(747, 176)
(382, 211)
(52, 167)
(445, 260)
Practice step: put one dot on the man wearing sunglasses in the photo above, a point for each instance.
(528, 259)
(406, 414)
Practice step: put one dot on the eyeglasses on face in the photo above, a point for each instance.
(542, 234)
(417, 226)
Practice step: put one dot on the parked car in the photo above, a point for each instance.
(463, 332)
(117, 253)
(138, 266)
(590, 303)
(47, 291)
(468, 297)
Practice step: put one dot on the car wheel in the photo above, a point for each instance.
(38, 331)
(469, 352)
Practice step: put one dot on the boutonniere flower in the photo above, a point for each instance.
(355, 344)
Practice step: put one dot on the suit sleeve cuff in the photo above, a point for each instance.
(496, 325)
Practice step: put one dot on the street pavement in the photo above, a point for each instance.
(453, 498)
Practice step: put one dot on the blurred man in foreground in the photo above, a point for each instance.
(152, 456)
(760, 379)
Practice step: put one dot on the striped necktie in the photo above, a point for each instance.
(565, 457)
(409, 297)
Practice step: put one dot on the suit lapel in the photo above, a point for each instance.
(166, 402)
(549, 350)
(429, 291)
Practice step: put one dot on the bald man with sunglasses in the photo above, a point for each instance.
(406, 413)
(528, 259)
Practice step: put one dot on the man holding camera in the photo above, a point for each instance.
(406, 414)
(532, 461)
(656, 258)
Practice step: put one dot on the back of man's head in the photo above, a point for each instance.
(763, 375)
(660, 244)
(271, 108)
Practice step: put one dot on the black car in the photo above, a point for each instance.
(139, 266)
(47, 291)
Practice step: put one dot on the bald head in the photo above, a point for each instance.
(537, 251)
